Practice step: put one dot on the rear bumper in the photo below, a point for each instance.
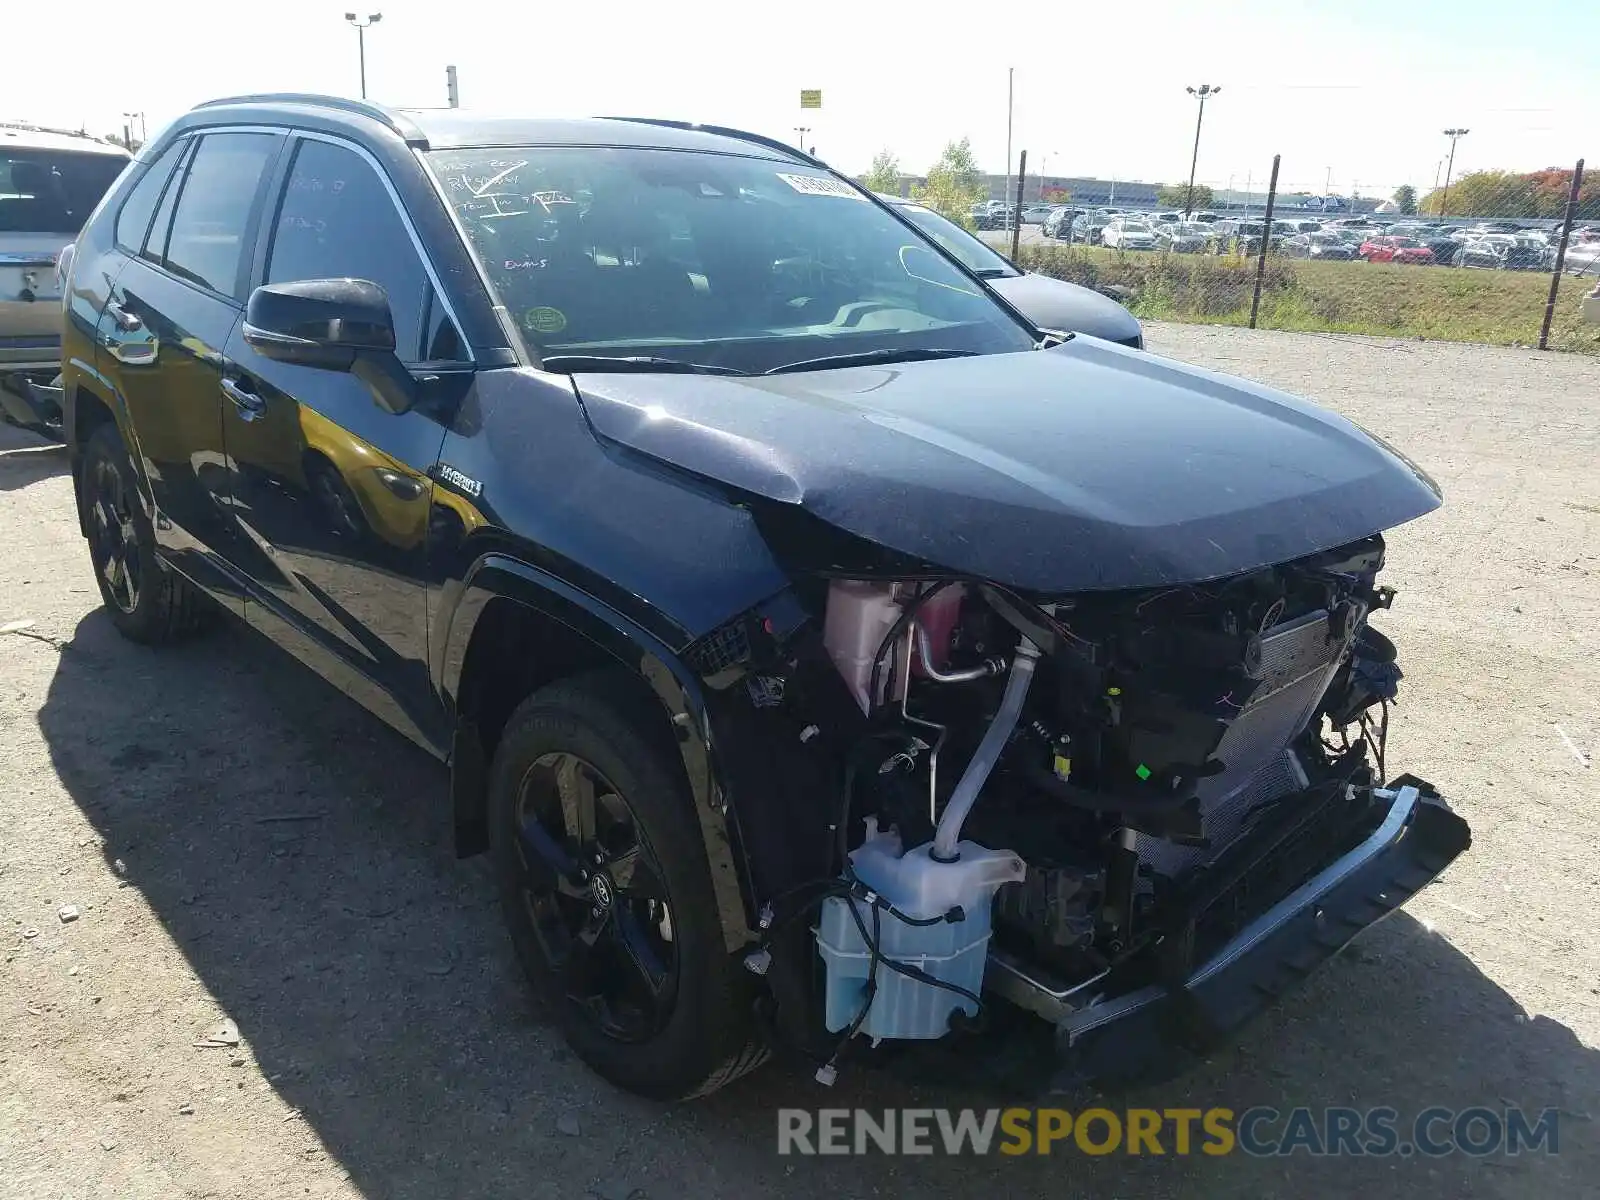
(1128, 1035)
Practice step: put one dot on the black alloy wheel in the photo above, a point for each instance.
(606, 888)
(147, 601)
(113, 538)
(595, 896)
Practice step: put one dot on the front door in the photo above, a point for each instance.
(164, 328)
(331, 493)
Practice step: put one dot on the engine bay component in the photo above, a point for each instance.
(859, 616)
(1168, 763)
(907, 953)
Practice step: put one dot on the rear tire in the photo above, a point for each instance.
(147, 601)
(592, 726)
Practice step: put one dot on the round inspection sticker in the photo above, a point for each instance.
(544, 320)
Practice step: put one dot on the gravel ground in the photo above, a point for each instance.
(243, 845)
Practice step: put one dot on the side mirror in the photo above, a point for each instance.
(334, 325)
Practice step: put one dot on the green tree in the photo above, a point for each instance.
(1485, 194)
(1405, 199)
(885, 173)
(954, 183)
(1175, 196)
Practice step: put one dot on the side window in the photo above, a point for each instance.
(207, 242)
(155, 242)
(338, 221)
(133, 222)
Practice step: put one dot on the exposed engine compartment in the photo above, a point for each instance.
(1130, 748)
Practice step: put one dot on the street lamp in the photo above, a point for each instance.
(1205, 91)
(361, 42)
(1454, 135)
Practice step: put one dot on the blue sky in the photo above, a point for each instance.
(1357, 91)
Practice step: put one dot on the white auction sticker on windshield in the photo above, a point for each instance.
(813, 185)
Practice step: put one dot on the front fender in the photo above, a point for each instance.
(498, 576)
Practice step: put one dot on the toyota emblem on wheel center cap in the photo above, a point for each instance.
(601, 887)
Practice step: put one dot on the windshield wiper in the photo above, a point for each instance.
(991, 272)
(867, 358)
(567, 364)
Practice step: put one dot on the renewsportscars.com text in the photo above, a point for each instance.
(1260, 1131)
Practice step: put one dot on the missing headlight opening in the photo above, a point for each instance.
(1068, 801)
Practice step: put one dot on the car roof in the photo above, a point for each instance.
(34, 138)
(456, 128)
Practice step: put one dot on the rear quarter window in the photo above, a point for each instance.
(133, 222)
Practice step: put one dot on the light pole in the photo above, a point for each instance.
(1205, 91)
(1454, 135)
(1011, 96)
(127, 128)
(802, 130)
(361, 42)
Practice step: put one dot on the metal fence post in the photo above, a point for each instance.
(1561, 255)
(1016, 217)
(1266, 238)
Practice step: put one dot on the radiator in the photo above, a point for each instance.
(1298, 661)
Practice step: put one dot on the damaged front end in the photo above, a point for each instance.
(1138, 815)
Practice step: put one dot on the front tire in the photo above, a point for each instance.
(147, 601)
(606, 890)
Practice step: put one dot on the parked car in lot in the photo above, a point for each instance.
(1048, 303)
(1059, 223)
(705, 502)
(49, 184)
(1583, 258)
(1324, 246)
(1125, 234)
(1181, 238)
(1088, 228)
(1396, 250)
(995, 216)
(1502, 251)
(1035, 214)
(1234, 236)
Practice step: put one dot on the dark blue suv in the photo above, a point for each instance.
(759, 572)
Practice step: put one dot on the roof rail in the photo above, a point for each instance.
(377, 112)
(725, 131)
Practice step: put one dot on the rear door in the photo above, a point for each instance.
(163, 330)
(332, 495)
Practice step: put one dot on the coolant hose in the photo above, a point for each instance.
(948, 835)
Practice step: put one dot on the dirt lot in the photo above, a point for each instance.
(244, 845)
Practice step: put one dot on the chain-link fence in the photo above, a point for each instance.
(1492, 257)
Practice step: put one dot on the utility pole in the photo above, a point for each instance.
(1011, 95)
(361, 42)
(1205, 91)
(1455, 135)
(452, 89)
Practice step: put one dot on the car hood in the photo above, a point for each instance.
(1057, 304)
(1083, 467)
